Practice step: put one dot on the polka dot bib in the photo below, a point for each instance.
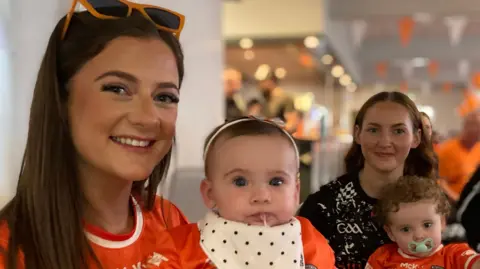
(234, 245)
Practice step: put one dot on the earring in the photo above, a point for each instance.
(215, 209)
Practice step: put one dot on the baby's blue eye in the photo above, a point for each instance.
(240, 181)
(276, 181)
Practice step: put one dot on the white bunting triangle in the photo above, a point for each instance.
(359, 29)
(464, 69)
(426, 88)
(407, 70)
(456, 26)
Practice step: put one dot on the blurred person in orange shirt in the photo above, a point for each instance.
(459, 157)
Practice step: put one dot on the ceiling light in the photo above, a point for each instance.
(249, 55)
(311, 42)
(246, 43)
(352, 87)
(337, 71)
(262, 72)
(345, 80)
(280, 72)
(327, 59)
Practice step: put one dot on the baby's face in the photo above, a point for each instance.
(415, 222)
(253, 179)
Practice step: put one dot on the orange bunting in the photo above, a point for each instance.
(433, 68)
(405, 29)
(306, 60)
(476, 80)
(381, 69)
(447, 87)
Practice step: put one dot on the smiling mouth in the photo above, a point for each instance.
(132, 142)
(384, 154)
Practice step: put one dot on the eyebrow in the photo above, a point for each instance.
(132, 78)
(279, 172)
(236, 170)
(393, 125)
(239, 170)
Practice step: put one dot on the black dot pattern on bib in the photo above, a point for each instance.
(252, 246)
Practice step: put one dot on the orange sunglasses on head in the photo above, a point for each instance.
(164, 19)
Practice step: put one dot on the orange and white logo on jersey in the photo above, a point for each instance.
(408, 265)
(155, 260)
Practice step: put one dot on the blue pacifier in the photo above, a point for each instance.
(421, 247)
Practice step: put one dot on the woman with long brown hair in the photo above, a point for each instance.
(388, 142)
(101, 129)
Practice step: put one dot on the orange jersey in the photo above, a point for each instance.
(190, 254)
(453, 256)
(456, 164)
(138, 249)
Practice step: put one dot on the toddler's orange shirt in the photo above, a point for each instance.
(452, 256)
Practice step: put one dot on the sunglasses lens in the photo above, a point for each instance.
(112, 8)
(164, 18)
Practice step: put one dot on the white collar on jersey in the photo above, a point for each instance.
(235, 245)
(121, 244)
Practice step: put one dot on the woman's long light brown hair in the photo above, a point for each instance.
(45, 216)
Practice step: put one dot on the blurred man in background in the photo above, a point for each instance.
(459, 156)
(234, 103)
(278, 103)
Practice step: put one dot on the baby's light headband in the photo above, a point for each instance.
(275, 122)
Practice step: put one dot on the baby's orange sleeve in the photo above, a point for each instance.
(461, 256)
(316, 250)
